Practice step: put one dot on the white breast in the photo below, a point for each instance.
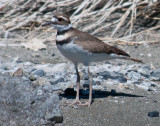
(77, 54)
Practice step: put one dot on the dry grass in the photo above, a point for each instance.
(117, 19)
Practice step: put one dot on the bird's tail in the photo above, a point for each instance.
(133, 59)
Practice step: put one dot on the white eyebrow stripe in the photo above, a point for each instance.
(54, 19)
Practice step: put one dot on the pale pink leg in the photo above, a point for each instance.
(90, 90)
(78, 85)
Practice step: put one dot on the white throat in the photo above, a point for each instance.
(62, 27)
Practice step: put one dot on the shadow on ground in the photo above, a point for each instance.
(69, 93)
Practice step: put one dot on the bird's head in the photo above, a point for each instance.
(60, 21)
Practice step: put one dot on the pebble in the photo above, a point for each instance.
(85, 77)
(18, 72)
(153, 114)
(39, 73)
(144, 71)
(57, 81)
(141, 54)
(53, 54)
(27, 63)
(105, 74)
(155, 76)
(33, 77)
(121, 79)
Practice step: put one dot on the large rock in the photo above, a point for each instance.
(23, 104)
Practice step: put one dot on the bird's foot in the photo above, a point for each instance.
(87, 103)
(77, 101)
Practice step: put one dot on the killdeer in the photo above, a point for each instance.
(81, 47)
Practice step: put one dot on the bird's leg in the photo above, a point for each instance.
(90, 89)
(78, 85)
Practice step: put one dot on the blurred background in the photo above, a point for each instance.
(115, 21)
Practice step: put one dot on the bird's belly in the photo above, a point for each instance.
(77, 54)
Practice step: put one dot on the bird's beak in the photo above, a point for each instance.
(47, 23)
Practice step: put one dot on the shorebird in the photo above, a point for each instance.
(81, 47)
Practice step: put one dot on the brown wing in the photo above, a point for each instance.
(93, 44)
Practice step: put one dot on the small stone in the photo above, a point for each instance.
(153, 114)
(53, 55)
(39, 73)
(105, 88)
(104, 73)
(27, 64)
(39, 92)
(57, 81)
(33, 77)
(86, 84)
(85, 77)
(141, 54)
(149, 54)
(121, 85)
(98, 83)
(36, 62)
(134, 76)
(35, 55)
(18, 72)
(19, 61)
(126, 87)
(144, 71)
(121, 79)
(155, 76)
(6, 68)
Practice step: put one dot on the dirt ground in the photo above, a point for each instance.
(125, 107)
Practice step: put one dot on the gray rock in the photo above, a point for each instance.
(33, 77)
(155, 76)
(134, 76)
(21, 104)
(120, 78)
(98, 82)
(57, 81)
(85, 77)
(144, 85)
(39, 73)
(105, 74)
(145, 71)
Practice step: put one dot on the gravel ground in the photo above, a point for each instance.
(116, 106)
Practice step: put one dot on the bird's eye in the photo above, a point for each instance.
(60, 19)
